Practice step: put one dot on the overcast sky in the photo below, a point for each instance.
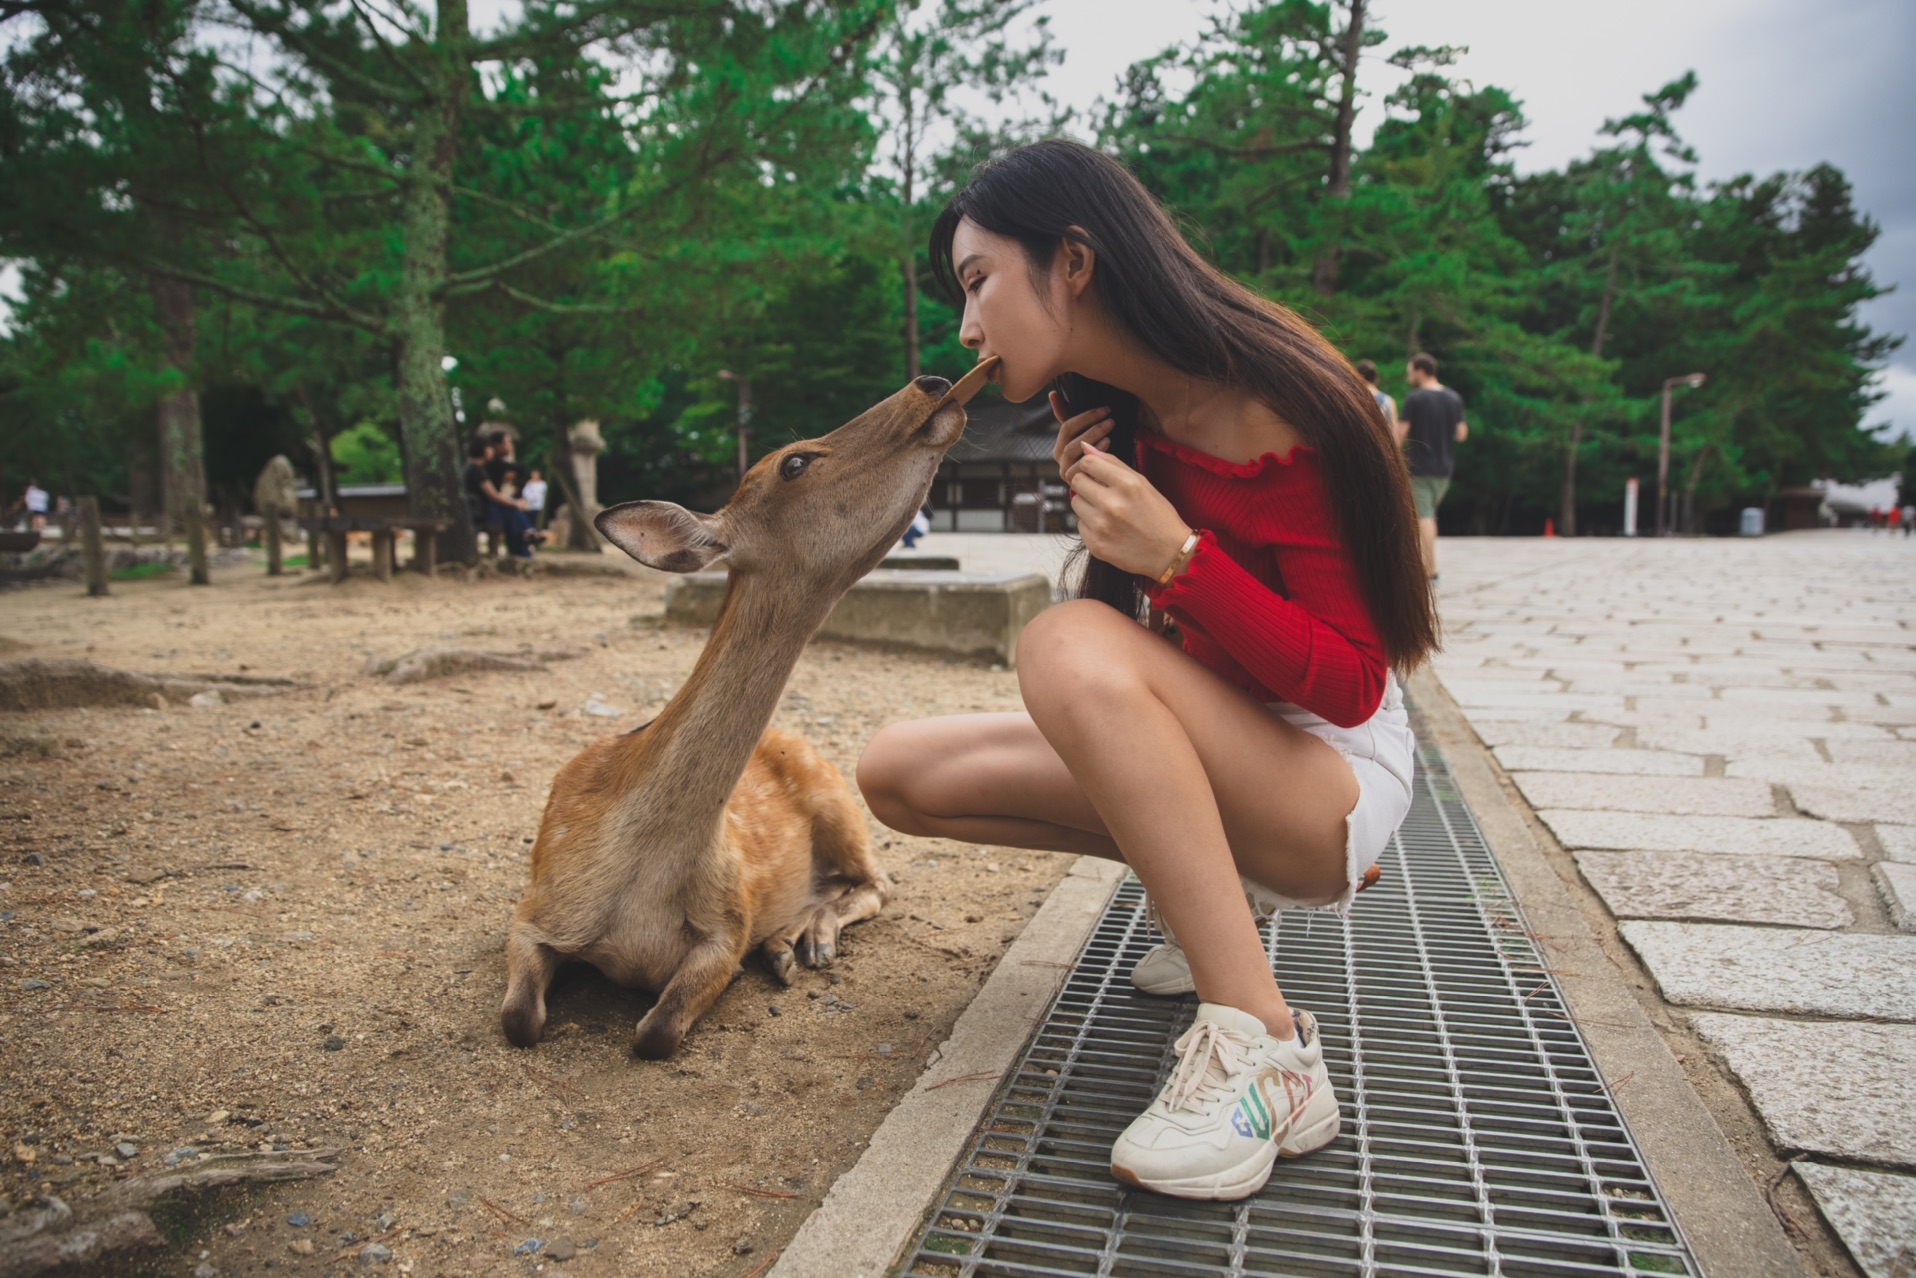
(1785, 84)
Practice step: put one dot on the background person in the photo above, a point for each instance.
(37, 499)
(1272, 753)
(1434, 426)
(535, 494)
(1385, 404)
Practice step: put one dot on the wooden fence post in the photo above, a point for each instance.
(93, 551)
(271, 535)
(195, 542)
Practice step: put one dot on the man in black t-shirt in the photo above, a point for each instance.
(1434, 414)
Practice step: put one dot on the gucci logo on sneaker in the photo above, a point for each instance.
(1255, 1114)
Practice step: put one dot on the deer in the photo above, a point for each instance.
(667, 854)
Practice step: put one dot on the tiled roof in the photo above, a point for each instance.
(1001, 432)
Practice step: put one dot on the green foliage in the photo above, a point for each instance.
(366, 454)
(605, 204)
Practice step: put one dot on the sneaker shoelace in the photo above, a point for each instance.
(1208, 1054)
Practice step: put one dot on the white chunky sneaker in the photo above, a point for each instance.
(1237, 1101)
(1164, 971)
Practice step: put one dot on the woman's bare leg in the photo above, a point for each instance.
(1148, 752)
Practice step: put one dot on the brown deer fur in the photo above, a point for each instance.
(669, 853)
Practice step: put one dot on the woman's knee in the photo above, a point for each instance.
(1075, 655)
(885, 772)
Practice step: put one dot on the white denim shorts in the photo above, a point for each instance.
(1381, 752)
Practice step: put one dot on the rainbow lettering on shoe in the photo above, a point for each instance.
(1254, 1114)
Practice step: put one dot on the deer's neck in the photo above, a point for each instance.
(691, 757)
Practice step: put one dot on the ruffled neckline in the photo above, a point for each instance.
(1218, 465)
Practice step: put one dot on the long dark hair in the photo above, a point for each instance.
(1201, 322)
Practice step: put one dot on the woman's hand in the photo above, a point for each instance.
(1079, 435)
(1122, 519)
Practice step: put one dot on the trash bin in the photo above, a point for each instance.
(1752, 521)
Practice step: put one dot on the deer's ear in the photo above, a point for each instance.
(661, 535)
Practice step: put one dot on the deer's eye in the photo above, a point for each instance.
(794, 465)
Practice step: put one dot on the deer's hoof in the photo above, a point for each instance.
(783, 963)
(813, 952)
(523, 1023)
(653, 1042)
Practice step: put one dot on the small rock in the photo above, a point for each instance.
(548, 703)
(206, 700)
(33, 858)
(126, 1149)
(144, 877)
(63, 1160)
(206, 1269)
(64, 924)
(530, 1247)
(741, 1249)
(300, 1246)
(385, 1220)
(576, 1205)
(561, 1248)
(459, 1199)
(177, 1156)
(773, 1010)
(974, 918)
(374, 1254)
(333, 1043)
(599, 707)
(884, 1049)
(34, 983)
(219, 1116)
(234, 1230)
(911, 1016)
(299, 1220)
(834, 978)
(157, 701)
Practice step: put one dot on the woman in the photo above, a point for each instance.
(1269, 515)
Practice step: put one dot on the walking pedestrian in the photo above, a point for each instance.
(37, 499)
(1434, 417)
(535, 494)
(1386, 405)
(1226, 465)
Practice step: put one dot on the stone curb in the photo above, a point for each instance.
(873, 1211)
(1730, 1228)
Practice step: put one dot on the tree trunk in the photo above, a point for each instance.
(1689, 490)
(1338, 185)
(182, 456)
(430, 435)
(908, 267)
(1567, 504)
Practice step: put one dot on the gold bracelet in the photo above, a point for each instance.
(1181, 560)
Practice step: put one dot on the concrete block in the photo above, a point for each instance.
(1897, 883)
(1899, 842)
(1544, 735)
(1843, 1090)
(1873, 1212)
(1814, 772)
(1768, 969)
(1674, 796)
(1782, 890)
(1848, 803)
(971, 614)
(1738, 836)
(1732, 743)
(1638, 763)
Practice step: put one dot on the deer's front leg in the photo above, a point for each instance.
(700, 979)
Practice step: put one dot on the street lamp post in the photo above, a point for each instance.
(1663, 451)
(744, 414)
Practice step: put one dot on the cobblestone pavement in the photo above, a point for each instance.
(1723, 735)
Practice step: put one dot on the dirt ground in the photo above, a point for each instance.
(277, 922)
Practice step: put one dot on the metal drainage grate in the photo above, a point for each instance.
(1478, 1137)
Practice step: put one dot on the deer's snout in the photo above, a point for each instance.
(933, 386)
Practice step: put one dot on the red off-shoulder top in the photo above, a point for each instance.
(1270, 599)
